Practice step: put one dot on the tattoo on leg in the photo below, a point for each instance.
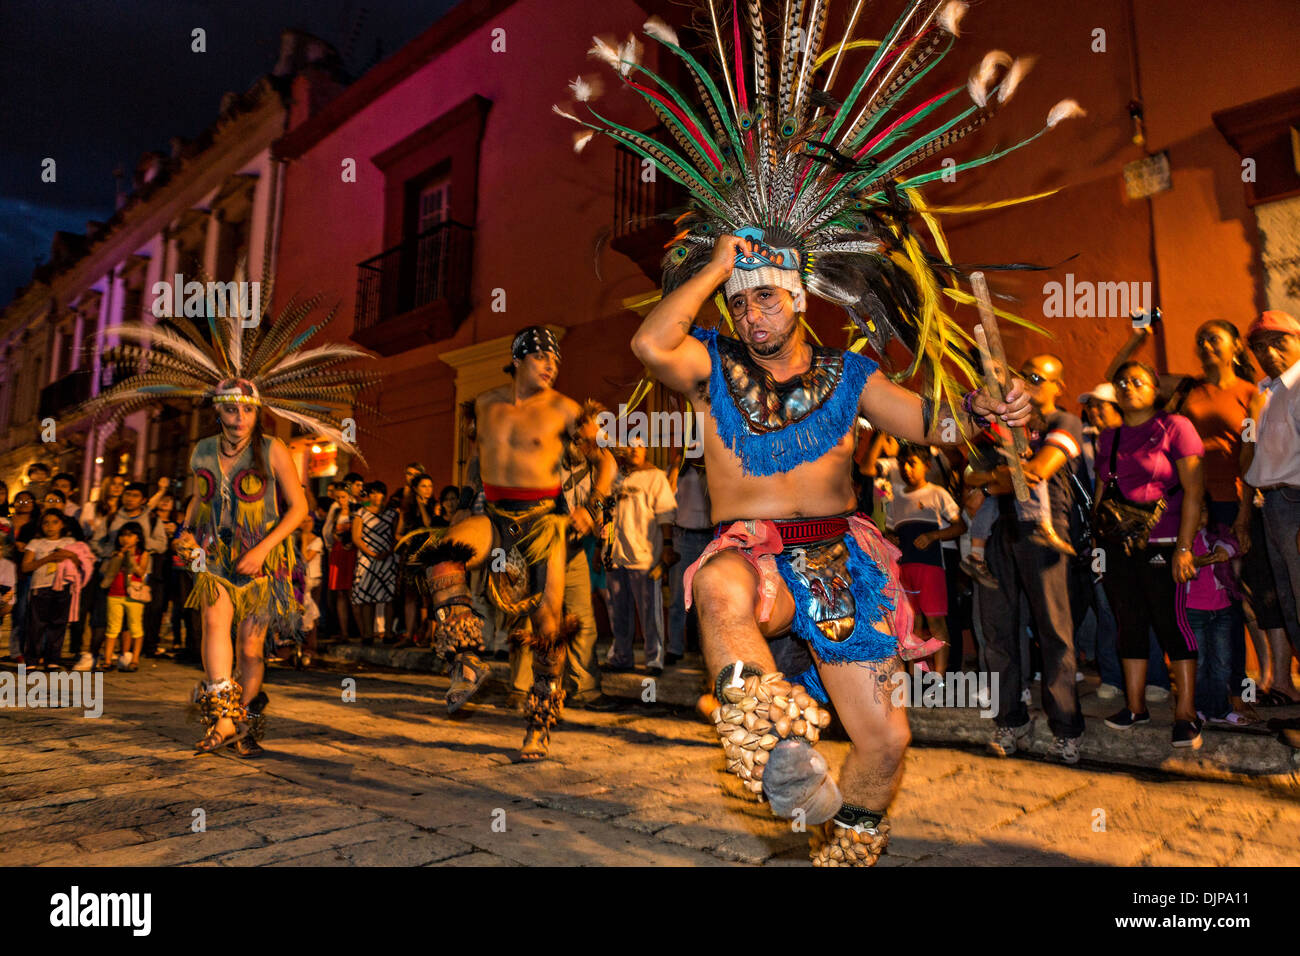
(882, 673)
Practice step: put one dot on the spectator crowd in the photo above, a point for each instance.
(1161, 533)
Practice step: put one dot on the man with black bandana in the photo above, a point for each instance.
(522, 430)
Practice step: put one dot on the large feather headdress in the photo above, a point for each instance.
(767, 148)
(268, 363)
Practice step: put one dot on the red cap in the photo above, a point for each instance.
(1273, 320)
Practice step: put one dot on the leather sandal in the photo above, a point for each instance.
(214, 741)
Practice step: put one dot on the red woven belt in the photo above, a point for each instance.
(499, 492)
(802, 530)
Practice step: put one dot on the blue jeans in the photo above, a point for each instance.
(1213, 630)
(689, 544)
(18, 616)
(636, 596)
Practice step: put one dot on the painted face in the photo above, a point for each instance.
(764, 317)
(1275, 351)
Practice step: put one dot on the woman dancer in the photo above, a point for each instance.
(248, 495)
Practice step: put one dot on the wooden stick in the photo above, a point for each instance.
(990, 322)
(994, 385)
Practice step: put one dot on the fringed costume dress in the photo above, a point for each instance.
(841, 572)
(235, 512)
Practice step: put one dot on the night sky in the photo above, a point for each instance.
(96, 84)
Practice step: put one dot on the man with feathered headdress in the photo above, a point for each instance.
(248, 497)
(794, 191)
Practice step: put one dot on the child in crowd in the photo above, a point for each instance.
(311, 547)
(920, 516)
(124, 574)
(1207, 600)
(59, 566)
(8, 581)
(1038, 510)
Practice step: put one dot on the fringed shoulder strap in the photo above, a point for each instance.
(808, 437)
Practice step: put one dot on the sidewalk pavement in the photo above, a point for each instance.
(1241, 755)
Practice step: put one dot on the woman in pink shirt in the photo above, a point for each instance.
(1153, 456)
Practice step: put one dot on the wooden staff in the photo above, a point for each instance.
(990, 322)
(994, 385)
(994, 361)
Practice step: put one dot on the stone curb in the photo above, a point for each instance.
(1225, 756)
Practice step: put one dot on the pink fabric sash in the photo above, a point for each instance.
(758, 540)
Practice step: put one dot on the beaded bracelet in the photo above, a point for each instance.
(967, 405)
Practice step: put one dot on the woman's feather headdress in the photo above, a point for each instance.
(766, 151)
(265, 363)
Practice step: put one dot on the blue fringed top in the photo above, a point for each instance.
(774, 426)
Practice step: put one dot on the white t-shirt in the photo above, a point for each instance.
(311, 555)
(7, 575)
(929, 503)
(644, 502)
(43, 576)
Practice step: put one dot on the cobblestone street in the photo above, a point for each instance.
(389, 779)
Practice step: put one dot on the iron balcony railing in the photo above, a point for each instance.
(433, 265)
(64, 394)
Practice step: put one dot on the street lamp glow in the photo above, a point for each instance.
(99, 460)
(315, 449)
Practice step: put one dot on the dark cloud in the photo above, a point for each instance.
(95, 84)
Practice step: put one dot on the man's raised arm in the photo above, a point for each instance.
(664, 342)
(911, 417)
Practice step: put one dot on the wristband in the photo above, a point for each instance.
(969, 408)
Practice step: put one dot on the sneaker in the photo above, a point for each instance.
(1006, 740)
(84, 663)
(1066, 748)
(1127, 720)
(124, 661)
(1107, 692)
(1156, 694)
(1187, 733)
